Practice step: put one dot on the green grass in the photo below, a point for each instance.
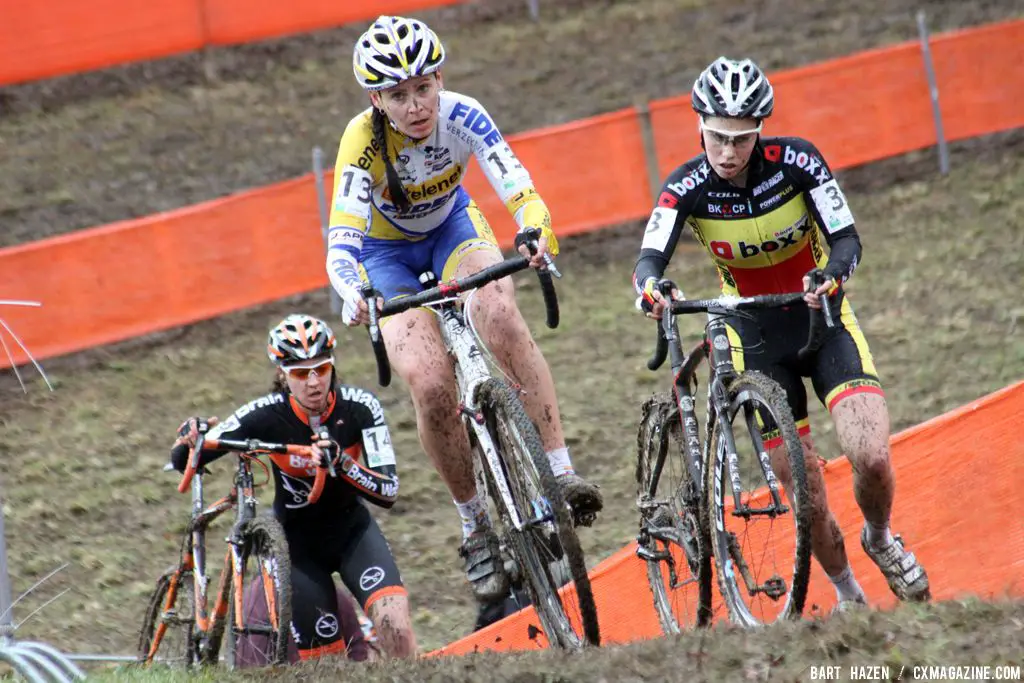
(968, 633)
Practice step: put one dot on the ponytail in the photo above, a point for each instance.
(395, 189)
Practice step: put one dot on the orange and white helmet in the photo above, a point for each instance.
(299, 338)
(395, 49)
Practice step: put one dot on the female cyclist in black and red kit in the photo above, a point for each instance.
(337, 533)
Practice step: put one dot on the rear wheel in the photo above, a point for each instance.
(763, 548)
(545, 546)
(672, 540)
(168, 629)
(257, 632)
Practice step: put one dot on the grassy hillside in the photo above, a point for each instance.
(936, 295)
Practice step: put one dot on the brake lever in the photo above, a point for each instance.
(328, 458)
(549, 265)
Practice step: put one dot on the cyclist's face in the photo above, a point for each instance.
(729, 144)
(412, 105)
(310, 382)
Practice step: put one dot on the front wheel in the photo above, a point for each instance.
(258, 629)
(168, 633)
(760, 529)
(673, 540)
(544, 545)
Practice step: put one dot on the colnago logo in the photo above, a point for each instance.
(808, 162)
(724, 195)
(477, 122)
(790, 237)
(691, 180)
(357, 395)
(768, 184)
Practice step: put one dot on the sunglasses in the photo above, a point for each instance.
(738, 138)
(302, 372)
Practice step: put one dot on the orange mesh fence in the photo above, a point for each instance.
(132, 278)
(856, 109)
(960, 481)
(136, 277)
(46, 38)
(239, 21)
(591, 173)
(981, 79)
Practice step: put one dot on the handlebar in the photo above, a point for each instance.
(255, 445)
(445, 290)
(727, 304)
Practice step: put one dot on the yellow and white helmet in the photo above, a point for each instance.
(395, 49)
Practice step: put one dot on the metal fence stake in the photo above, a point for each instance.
(933, 90)
(321, 203)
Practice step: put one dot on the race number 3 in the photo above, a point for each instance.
(831, 204)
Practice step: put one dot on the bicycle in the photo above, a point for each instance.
(179, 605)
(534, 522)
(683, 523)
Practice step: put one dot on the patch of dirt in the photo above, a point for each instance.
(94, 148)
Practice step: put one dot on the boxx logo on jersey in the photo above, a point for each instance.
(808, 162)
(692, 180)
(477, 122)
(786, 238)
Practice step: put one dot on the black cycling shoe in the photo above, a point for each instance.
(484, 568)
(584, 498)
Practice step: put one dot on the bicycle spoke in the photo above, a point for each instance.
(761, 534)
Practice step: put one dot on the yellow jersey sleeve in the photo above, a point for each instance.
(357, 170)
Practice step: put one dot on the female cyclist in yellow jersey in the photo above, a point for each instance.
(399, 209)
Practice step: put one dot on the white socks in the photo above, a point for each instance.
(560, 462)
(878, 536)
(474, 515)
(474, 511)
(846, 585)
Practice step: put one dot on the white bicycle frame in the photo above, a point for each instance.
(471, 371)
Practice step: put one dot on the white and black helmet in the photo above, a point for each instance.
(395, 49)
(733, 89)
(299, 338)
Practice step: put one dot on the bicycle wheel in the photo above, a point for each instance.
(763, 550)
(262, 637)
(168, 634)
(672, 540)
(546, 548)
